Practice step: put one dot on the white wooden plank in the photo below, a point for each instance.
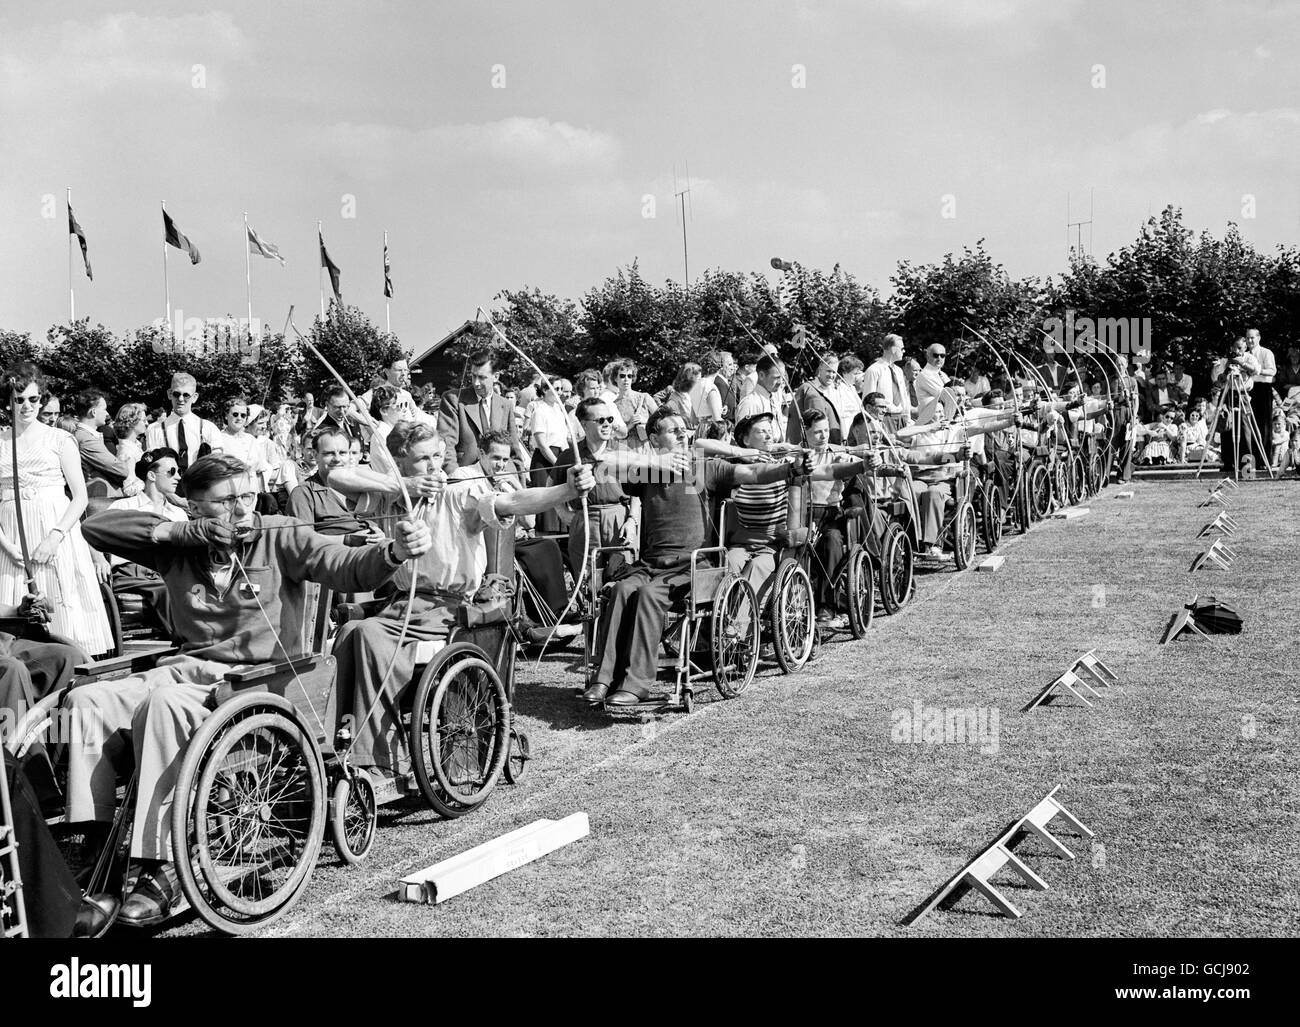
(469, 869)
(1071, 513)
(991, 563)
(1124, 495)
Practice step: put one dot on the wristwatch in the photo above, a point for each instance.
(390, 555)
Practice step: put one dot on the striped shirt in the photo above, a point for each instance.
(760, 509)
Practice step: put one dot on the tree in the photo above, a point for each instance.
(354, 346)
(932, 303)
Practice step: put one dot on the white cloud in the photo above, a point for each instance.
(1263, 53)
(118, 50)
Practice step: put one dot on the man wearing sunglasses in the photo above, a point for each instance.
(182, 430)
(930, 382)
(230, 575)
(612, 515)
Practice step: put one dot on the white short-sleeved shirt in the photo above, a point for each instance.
(456, 520)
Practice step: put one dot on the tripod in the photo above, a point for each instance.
(1234, 403)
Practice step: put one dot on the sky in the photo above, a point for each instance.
(512, 144)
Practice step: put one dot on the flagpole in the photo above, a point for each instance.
(248, 277)
(167, 292)
(320, 271)
(388, 314)
(72, 298)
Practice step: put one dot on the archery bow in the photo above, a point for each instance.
(28, 572)
(406, 498)
(577, 461)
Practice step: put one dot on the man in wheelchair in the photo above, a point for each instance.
(678, 508)
(236, 585)
(760, 510)
(373, 674)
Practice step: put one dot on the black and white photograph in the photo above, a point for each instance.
(794, 470)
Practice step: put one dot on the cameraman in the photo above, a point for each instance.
(1235, 372)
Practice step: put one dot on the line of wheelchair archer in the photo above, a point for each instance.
(267, 773)
(716, 635)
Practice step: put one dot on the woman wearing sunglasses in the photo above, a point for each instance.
(63, 570)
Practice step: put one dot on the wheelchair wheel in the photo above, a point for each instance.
(353, 813)
(516, 767)
(1078, 479)
(895, 568)
(992, 515)
(248, 816)
(963, 536)
(734, 637)
(1061, 482)
(793, 616)
(860, 592)
(460, 730)
(1039, 490)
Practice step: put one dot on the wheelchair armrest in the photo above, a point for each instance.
(478, 615)
(265, 671)
(133, 662)
(792, 538)
(345, 612)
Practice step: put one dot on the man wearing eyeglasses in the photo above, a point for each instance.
(230, 575)
(182, 430)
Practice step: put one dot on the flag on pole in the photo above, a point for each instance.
(388, 274)
(332, 268)
(262, 248)
(174, 238)
(75, 229)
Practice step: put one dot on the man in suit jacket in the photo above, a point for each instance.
(183, 430)
(1159, 393)
(91, 411)
(722, 365)
(468, 414)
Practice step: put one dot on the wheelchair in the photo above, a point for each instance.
(960, 528)
(713, 638)
(786, 600)
(267, 773)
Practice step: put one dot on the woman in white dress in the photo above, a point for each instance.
(62, 567)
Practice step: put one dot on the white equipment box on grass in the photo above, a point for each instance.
(492, 859)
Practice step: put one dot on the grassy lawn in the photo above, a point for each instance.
(790, 811)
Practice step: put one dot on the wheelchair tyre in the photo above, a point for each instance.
(734, 637)
(248, 816)
(1039, 489)
(992, 516)
(793, 616)
(353, 814)
(460, 730)
(895, 568)
(1061, 482)
(963, 536)
(1078, 479)
(860, 592)
(516, 767)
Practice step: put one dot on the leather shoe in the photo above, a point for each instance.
(596, 693)
(153, 897)
(96, 916)
(628, 695)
